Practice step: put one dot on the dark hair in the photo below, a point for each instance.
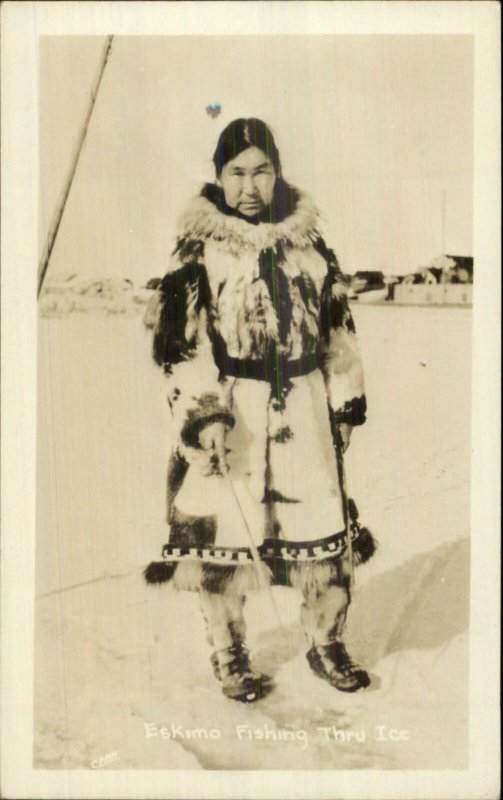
(239, 135)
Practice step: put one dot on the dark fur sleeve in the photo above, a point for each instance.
(338, 333)
(334, 306)
(182, 346)
(184, 292)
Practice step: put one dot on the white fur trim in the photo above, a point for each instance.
(203, 220)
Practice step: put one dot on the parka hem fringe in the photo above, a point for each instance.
(237, 579)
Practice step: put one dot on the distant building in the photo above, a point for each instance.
(392, 281)
(367, 281)
(446, 281)
(428, 275)
(455, 269)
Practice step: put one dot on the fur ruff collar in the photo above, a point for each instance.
(203, 220)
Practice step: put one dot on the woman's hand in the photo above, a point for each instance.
(212, 441)
(345, 432)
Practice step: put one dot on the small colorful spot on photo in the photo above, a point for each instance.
(213, 110)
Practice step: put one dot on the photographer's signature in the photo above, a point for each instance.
(104, 761)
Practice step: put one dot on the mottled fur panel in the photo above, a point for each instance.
(189, 250)
(247, 320)
(190, 531)
(278, 286)
(177, 470)
(304, 332)
(274, 310)
(216, 579)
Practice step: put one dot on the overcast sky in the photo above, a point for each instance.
(378, 129)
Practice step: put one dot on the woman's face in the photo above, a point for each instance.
(248, 181)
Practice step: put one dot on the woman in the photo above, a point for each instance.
(254, 334)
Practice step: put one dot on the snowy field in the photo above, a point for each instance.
(122, 672)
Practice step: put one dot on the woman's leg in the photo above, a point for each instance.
(325, 588)
(323, 615)
(225, 631)
(223, 615)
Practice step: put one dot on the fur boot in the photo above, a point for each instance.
(225, 631)
(333, 663)
(325, 589)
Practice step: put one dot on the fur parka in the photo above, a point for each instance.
(252, 328)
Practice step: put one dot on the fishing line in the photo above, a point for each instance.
(253, 549)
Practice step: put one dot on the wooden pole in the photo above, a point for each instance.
(60, 208)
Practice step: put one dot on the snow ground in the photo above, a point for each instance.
(116, 660)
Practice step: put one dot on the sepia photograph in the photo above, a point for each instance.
(255, 281)
(253, 409)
